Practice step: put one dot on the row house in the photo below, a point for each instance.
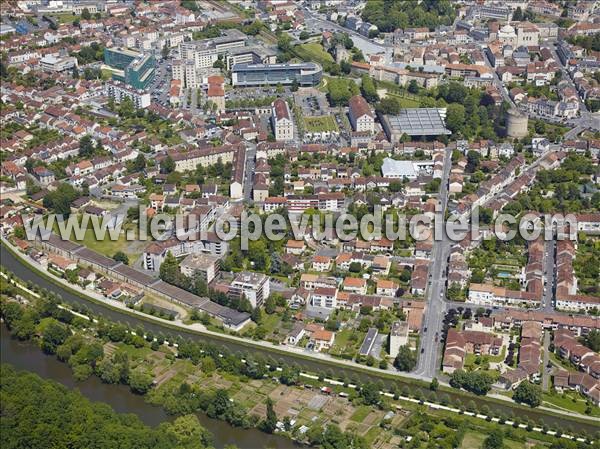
(461, 343)
(568, 347)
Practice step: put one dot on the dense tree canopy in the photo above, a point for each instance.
(406, 360)
(476, 382)
(340, 90)
(528, 393)
(389, 15)
(43, 413)
(592, 340)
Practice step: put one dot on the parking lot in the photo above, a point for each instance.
(312, 102)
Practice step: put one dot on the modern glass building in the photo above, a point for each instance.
(130, 66)
(305, 74)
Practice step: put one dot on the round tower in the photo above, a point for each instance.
(516, 124)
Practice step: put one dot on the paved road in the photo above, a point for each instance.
(549, 276)
(316, 23)
(436, 307)
(249, 171)
(545, 369)
(586, 120)
(498, 83)
(566, 76)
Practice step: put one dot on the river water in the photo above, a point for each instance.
(565, 423)
(28, 356)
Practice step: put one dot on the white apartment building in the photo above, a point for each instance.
(361, 116)
(185, 71)
(575, 303)
(200, 53)
(189, 160)
(489, 295)
(324, 297)
(205, 265)
(283, 126)
(253, 286)
(119, 91)
(50, 63)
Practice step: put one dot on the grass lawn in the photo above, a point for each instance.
(320, 124)
(360, 414)
(313, 52)
(566, 403)
(106, 74)
(133, 352)
(109, 247)
(66, 17)
(342, 343)
(271, 322)
(372, 434)
(472, 440)
(404, 102)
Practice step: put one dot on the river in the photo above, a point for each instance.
(28, 356)
(564, 422)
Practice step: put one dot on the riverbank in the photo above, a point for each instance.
(357, 414)
(40, 412)
(348, 371)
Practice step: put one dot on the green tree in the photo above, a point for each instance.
(413, 87)
(219, 64)
(188, 432)
(270, 305)
(139, 163)
(368, 89)
(53, 335)
(455, 117)
(529, 394)
(406, 360)
(167, 165)
(85, 14)
(304, 35)
(120, 256)
(44, 413)
(86, 146)
(592, 340)
(434, 385)
(165, 51)
(388, 105)
(495, 440)
(270, 422)
(370, 393)
(109, 372)
(169, 269)
(140, 381)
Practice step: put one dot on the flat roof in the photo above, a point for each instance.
(398, 168)
(258, 67)
(125, 51)
(419, 122)
(367, 344)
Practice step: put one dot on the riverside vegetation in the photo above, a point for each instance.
(185, 377)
